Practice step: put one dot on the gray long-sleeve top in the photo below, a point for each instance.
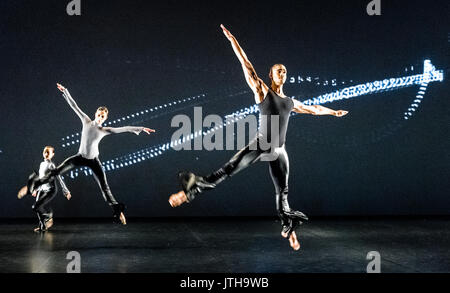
(92, 132)
(46, 166)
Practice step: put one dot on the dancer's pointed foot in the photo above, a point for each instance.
(48, 224)
(293, 241)
(178, 199)
(122, 218)
(118, 213)
(290, 220)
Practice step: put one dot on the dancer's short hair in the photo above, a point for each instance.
(49, 148)
(103, 108)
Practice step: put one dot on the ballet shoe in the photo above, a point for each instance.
(293, 241)
(48, 224)
(177, 199)
(118, 213)
(38, 230)
(122, 219)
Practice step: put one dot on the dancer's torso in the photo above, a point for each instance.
(272, 105)
(91, 136)
(44, 167)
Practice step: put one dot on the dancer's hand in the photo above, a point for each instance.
(226, 32)
(68, 196)
(340, 113)
(148, 130)
(34, 194)
(22, 192)
(60, 87)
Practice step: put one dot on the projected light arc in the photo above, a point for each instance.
(423, 80)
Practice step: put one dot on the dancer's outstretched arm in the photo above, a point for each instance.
(65, 190)
(73, 104)
(258, 87)
(133, 129)
(301, 108)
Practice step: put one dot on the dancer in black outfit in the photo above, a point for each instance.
(92, 133)
(273, 103)
(45, 193)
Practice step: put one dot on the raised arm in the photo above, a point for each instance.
(73, 104)
(301, 108)
(133, 129)
(258, 87)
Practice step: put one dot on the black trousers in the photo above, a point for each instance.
(41, 206)
(94, 164)
(278, 167)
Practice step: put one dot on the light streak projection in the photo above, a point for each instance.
(429, 75)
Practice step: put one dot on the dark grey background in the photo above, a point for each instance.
(131, 55)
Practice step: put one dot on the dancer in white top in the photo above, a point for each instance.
(87, 156)
(46, 192)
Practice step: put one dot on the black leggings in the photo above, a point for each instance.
(278, 167)
(79, 161)
(43, 198)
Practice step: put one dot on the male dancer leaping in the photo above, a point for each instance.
(272, 102)
(45, 193)
(92, 133)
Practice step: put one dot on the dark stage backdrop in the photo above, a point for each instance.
(137, 55)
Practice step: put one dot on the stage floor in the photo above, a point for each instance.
(252, 245)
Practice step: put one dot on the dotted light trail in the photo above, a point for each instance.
(430, 75)
(73, 139)
(429, 69)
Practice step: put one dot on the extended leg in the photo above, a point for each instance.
(193, 185)
(44, 213)
(34, 182)
(290, 219)
(100, 177)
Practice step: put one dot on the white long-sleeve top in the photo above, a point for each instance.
(46, 166)
(92, 132)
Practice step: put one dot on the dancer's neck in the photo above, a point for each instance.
(278, 89)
